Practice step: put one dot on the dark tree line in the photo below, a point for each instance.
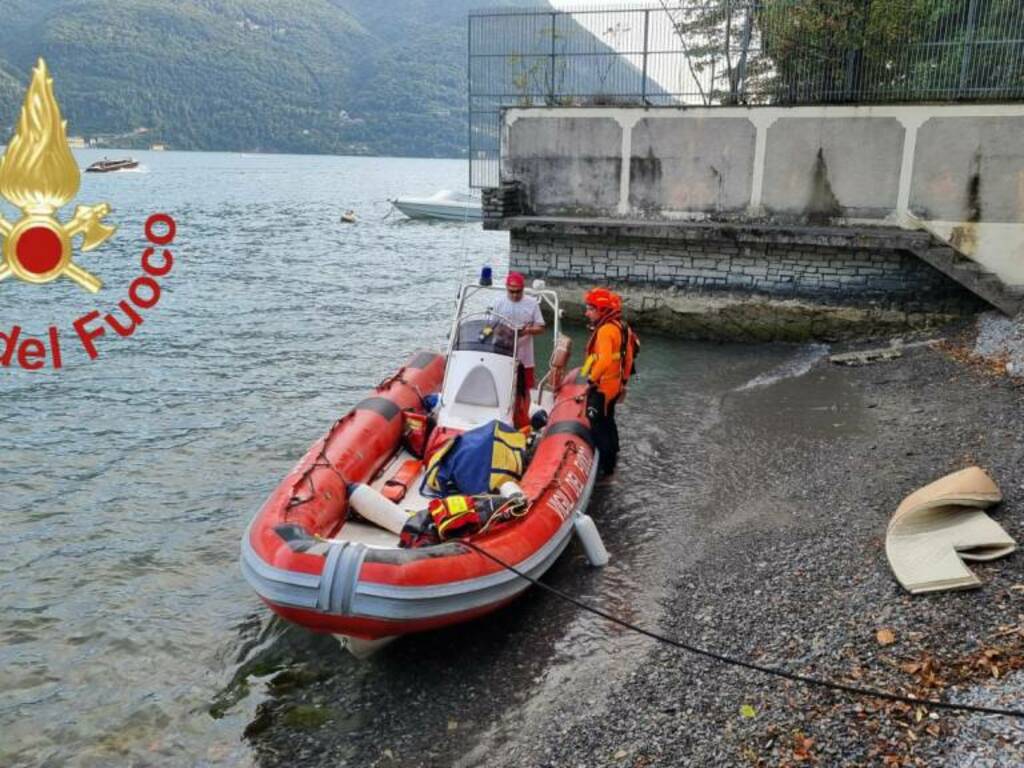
(813, 51)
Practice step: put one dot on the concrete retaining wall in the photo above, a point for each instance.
(954, 170)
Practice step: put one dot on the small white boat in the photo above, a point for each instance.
(444, 205)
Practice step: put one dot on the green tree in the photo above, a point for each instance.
(870, 50)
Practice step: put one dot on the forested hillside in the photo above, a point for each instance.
(332, 76)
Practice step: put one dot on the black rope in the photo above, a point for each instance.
(321, 462)
(726, 659)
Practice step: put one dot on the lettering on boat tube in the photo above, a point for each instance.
(92, 330)
(564, 500)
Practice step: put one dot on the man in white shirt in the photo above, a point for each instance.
(524, 314)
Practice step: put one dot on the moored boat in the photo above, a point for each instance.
(444, 206)
(109, 166)
(319, 565)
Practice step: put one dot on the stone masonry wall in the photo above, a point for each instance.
(826, 274)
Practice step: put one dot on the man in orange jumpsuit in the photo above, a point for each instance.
(608, 355)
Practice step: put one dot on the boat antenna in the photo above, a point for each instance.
(463, 247)
(463, 272)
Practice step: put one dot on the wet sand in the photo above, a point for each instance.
(772, 548)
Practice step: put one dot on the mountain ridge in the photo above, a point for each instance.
(302, 76)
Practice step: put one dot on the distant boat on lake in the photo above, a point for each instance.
(109, 166)
(444, 205)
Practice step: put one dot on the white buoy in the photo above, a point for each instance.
(375, 508)
(593, 547)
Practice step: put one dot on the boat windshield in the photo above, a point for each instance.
(485, 335)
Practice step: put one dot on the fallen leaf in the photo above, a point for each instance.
(747, 711)
(453, 725)
(621, 754)
(885, 636)
(802, 749)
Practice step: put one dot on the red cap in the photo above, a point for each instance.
(515, 280)
(602, 298)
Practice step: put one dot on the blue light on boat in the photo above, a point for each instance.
(486, 277)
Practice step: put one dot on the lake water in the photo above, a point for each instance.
(127, 633)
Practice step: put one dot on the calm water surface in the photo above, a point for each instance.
(128, 635)
(127, 480)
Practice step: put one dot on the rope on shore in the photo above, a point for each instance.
(732, 660)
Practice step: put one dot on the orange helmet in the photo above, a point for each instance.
(603, 299)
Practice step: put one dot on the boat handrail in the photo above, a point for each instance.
(467, 291)
(545, 295)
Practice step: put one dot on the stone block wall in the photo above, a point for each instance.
(820, 271)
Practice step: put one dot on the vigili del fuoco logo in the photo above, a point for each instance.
(39, 175)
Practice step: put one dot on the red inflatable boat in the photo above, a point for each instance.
(317, 564)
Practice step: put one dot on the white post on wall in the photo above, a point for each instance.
(910, 125)
(762, 122)
(626, 122)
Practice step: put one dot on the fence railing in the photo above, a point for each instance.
(731, 52)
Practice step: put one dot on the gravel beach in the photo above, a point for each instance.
(802, 581)
(780, 560)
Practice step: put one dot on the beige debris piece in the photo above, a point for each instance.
(865, 357)
(939, 526)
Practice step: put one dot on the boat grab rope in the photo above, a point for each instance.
(399, 378)
(577, 399)
(513, 509)
(738, 662)
(571, 449)
(321, 462)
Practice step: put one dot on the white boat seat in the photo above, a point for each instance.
(478, 388)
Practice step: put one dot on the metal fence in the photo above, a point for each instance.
(731, 52)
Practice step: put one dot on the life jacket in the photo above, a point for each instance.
(617, 377)
(415, 431)
(457, 517)
(477, 461)
(454, 516)
(438, 437)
